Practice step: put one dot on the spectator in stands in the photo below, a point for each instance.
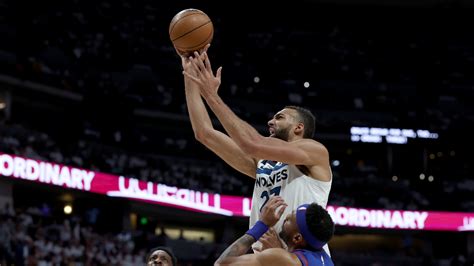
(5, 241)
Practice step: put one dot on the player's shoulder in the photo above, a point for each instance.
(277, 256)
(311, 144)
(307, 255)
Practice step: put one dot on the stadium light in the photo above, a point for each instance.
(68, 209)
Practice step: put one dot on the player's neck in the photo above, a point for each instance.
(294, 137)
(292, 248)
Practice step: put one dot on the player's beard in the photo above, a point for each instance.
(284, 236)
(282, 133)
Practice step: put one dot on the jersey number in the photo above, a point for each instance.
(274, 191)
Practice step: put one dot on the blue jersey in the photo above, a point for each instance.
(313, 258)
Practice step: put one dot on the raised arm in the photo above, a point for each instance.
(218, 142)
(273, 256)
(306, 152)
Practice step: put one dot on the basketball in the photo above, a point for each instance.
(190, 30)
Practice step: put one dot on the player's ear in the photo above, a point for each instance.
(299, 129)
(297, 239)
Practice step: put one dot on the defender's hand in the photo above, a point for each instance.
(269, 215)
(270, 240)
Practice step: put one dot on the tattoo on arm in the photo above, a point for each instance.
(239, 247)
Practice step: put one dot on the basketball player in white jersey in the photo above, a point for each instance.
(288, 163)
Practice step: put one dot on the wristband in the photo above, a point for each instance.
(257, 230)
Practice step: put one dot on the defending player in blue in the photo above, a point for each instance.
(305, 232)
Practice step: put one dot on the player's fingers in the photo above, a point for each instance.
(219, 72)
(271, 203)
(264, 240)
(183, 61)
(194, 60)
(275, 200)
(274, 232)
(207, 62)
(271, 231)
(198, 60)
(205, 48)
(281, 210)
(271, 207)
(202, 57)
(277, 204)
(195, 65)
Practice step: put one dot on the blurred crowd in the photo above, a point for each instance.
(413, 73)
(35, 237)
(363, 186)
(192, 173)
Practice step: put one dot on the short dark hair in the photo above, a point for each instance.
(307, 118)
(165, 249)
(319, 222)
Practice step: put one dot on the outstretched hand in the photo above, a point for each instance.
(186, 60)
(269, 215)
(270, 240)
(200, 71)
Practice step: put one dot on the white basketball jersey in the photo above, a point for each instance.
(275, 178)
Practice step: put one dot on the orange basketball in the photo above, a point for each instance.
(190, 30)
